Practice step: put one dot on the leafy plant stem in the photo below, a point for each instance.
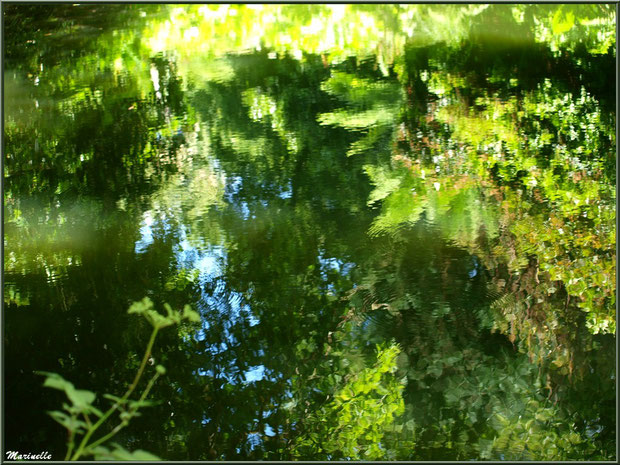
(71, 444)
(149, 386)
(124, 423)
(132, 387)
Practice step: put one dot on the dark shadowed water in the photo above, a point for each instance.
(397, 223)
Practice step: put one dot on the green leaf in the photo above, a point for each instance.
(94, 410)
(173, 317)
(562, 23)
(71, 423)
(126, 416)
(120, 453)
(190, 315)
(141, 307)
(143, 455)
(55, 381)
(80, 397)
(115, 398)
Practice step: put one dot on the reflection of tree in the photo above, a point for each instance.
(372, 107)
(222, 178)
(378, 31)
(357, 421)
(538, 140)
(519, 171)
(275, 273)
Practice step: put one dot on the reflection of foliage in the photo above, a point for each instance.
(538, 433)
(523, 176)
(187, 196)
(462, 393)
(459, 388)
(369, 30)
(49, 137)
(56, 165)
(558, 149)
(567, 25)
(565, 160)
(263, 106)
(451, 201)
(358, 422)
(239, 157)
(372, 107)
(294, 29)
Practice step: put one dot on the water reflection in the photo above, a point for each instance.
(399, 229)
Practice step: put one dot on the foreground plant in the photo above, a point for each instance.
(76, 417)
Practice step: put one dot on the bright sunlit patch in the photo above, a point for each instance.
(155, 80)
(255, 374)
(338, 12)
(191, 33)
(146, 233)
(315, 27)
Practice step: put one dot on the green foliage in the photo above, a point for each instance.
(574, 241)
(497, 163)
(538, 433)
(159, 321)
(567, 25)
(361, 419)
(371, 107)
(82, 400)
(546, 156)
(562, 21)
(120, 453)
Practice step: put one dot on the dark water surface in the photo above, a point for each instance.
(396, 222)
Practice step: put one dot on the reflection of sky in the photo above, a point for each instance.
(233, 187)
(254, 440)
(220, 307)
(230, 305)
(474, 271)
(210, 262)
(287, 193)
(255, 373)
(146, 230)
(146, 233)
(245, 210)
(330, 263)
(335, 264)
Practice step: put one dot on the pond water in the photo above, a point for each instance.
(397, 223)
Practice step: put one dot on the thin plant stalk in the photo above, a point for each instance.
(124, 423)
(132, 387)
(71, 444)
